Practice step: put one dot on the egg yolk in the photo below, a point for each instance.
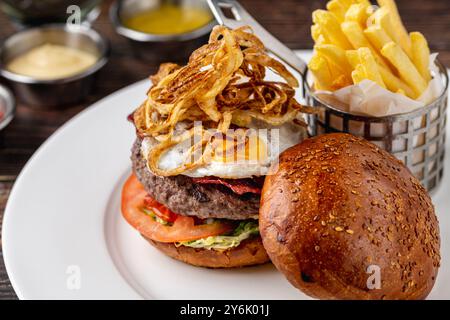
(247, 148)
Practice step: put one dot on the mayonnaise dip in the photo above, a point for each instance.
(51, 61)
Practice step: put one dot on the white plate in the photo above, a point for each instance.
(64, 237)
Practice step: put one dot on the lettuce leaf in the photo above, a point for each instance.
(155, 217)
(245, 230)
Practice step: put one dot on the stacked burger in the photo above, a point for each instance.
(207, 135)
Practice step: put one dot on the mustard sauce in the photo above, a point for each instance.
(169, 19)
(51, 61)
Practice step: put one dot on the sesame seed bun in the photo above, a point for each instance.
(339, 214)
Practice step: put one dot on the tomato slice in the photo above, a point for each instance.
(161, 211)
(182, 229)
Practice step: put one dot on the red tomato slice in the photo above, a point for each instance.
(160, 210)
(183, 228)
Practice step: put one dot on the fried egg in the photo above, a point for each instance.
(242, 158)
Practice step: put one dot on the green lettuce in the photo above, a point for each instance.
(245, 230)
(155, 217)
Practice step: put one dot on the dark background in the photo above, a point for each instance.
(289, 20)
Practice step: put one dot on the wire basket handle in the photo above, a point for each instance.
(242, 18)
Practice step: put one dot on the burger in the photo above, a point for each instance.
(207, 135)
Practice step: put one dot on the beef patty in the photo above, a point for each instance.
(181, 195)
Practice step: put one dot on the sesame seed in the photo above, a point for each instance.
(339, 229)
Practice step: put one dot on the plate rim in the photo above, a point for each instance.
(7, 250)
(18, 181)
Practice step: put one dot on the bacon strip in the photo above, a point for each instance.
(238, 186)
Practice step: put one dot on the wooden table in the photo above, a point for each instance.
(289, 20)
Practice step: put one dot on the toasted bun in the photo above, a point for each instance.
(340, 213)
(249, 252)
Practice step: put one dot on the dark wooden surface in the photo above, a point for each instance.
(289, 20)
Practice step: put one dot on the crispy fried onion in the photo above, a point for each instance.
(222, 85)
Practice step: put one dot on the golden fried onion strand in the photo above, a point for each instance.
(222, 84)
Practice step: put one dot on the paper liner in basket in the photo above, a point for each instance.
(368, 98)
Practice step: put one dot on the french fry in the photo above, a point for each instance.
(336, 7)
(398, 26)
(322, 74)
(327, 73)
(408, 72)
(315, 32)
(322, 40)
(395, 84)
(382, 18)
(358, 13)
(330, 28)
(347, 3)
(370, 9)
(392, 82)
(336, 56)
(317, 35)
(400, 91)
(371, 69)
(358, 74)
(353, 58)
(341, 81)
(340, 7)
(354, 32)
(377, 36)
(420, 54)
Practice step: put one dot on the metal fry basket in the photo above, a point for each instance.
(417, 138)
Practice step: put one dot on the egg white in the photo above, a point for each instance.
(289, 135)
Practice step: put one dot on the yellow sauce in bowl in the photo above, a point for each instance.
(169, 19)
(51, 61)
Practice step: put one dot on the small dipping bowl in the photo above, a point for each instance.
(159, 47)
(38, 12)
(53, 92)
(7, 107)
